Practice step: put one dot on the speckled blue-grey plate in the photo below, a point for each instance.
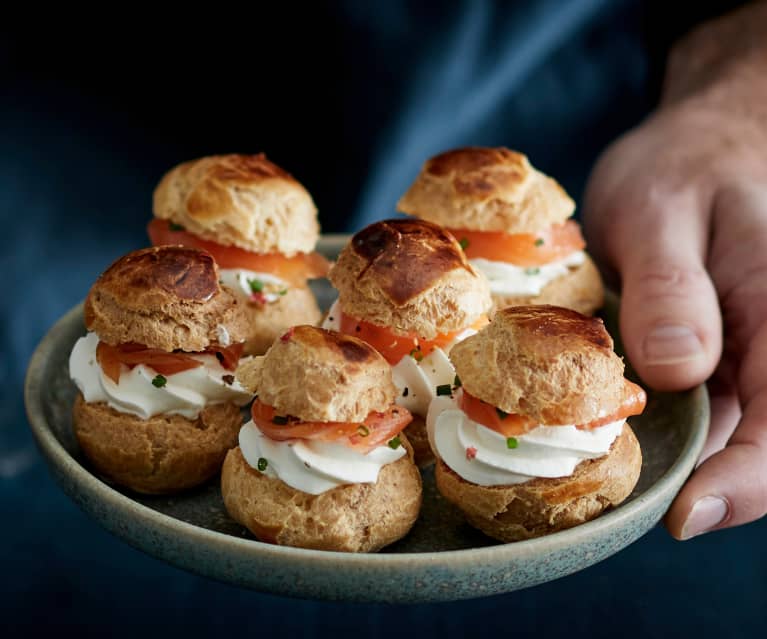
(441, 559)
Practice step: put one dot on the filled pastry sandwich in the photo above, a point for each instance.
(534, 439)
(259, 224)
(512, 221)
(406, 288)
(159, 404)
(323, 463)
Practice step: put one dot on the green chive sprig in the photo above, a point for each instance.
(416, 354)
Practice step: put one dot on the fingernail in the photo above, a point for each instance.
(671, 344)
(706, 513)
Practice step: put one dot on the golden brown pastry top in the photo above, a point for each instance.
(546, 362)
(486, 189)
(165, 297)
(320, 375)
(410, 276)
(239, 200)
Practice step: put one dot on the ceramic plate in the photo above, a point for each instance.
(441, 559)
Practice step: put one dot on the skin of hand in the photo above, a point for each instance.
(676, 213)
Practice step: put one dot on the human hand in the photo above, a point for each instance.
(676, 211)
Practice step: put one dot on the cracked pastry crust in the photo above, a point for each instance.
(267, 322)
(239, 200)
(165, 297)
(410, 276)
(486, 189)
(323, 376)
(160, 455)
(545, 362)
(350, 518)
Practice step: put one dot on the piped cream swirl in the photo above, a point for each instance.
(185, 393)
(482, 456)
(313, 466)
(239, 280)
(509, 279)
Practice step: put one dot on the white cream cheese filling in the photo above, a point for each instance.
(313, 466)
(417, 381)
(332, 321)
(509, 279)
(239, 280)
(185, 393)
(482, 456)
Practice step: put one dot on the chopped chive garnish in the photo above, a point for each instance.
(280, 420)
(363, 430)
(464, 243)
(256, 286)
(539, 241)
(416, 354)
(457, 382)
(444, 389)
(159, 381)
(394, 443)
(511, 442)
(532, 271)
(175, 227)
(262, 464)
(284, 291)
(501, 413)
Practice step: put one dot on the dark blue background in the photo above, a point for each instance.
(351, 100)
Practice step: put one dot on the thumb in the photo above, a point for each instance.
(730, 488)
(669, 317)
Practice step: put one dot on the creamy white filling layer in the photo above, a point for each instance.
(509, 279)
(482, 456)
(313, 466)
(417, 382)
(185, 393)
(239, 280)
(332, 321)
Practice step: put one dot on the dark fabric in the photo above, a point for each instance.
(351, 97)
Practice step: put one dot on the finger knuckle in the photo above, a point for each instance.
(659, 280)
